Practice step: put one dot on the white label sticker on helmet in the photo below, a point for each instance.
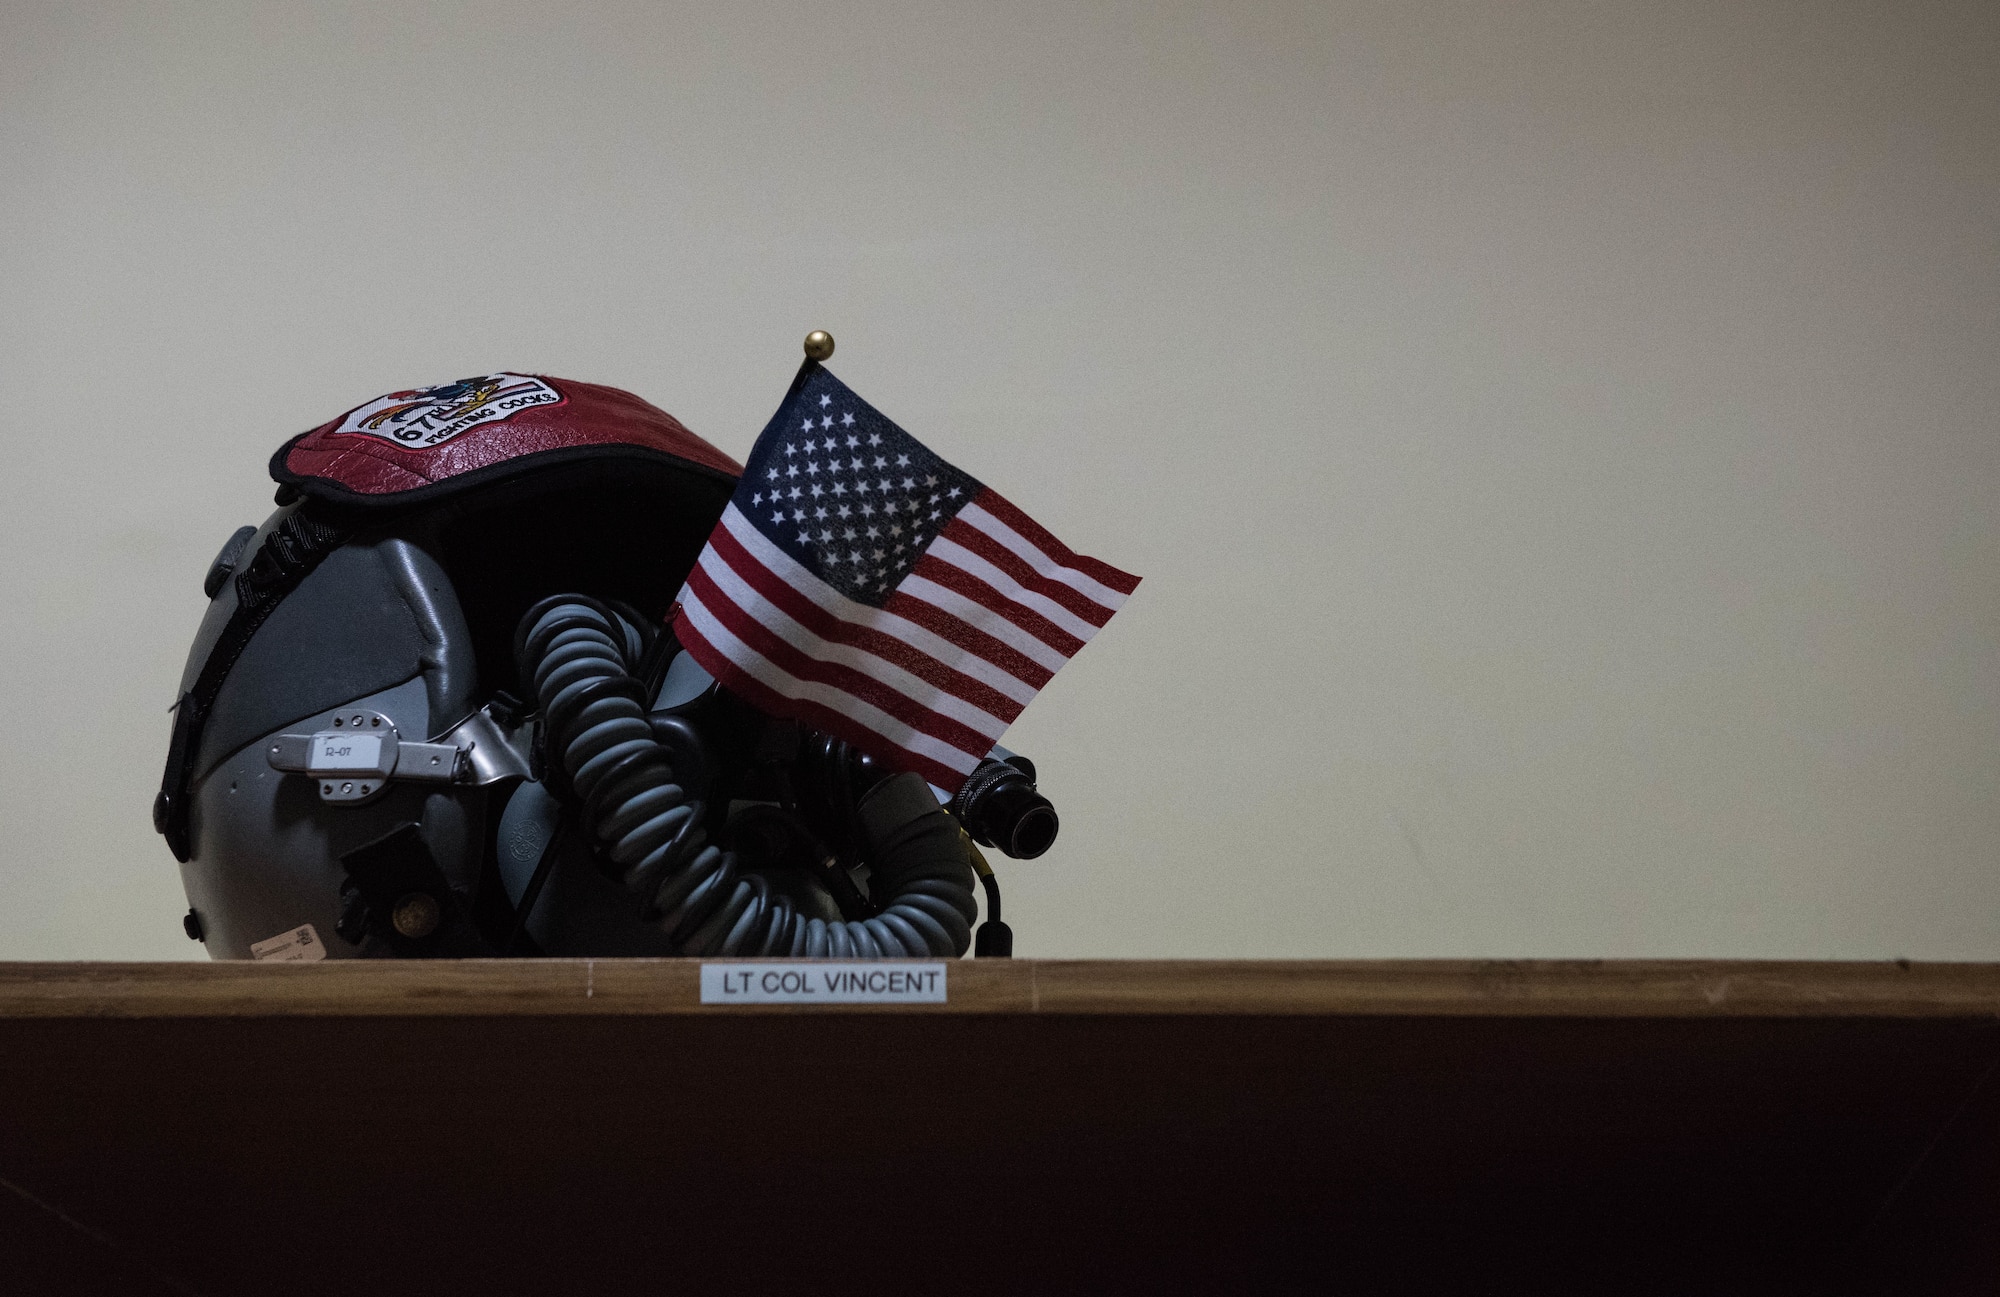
(300, 945)
(423, 417)
(834, 983)
(339, 752)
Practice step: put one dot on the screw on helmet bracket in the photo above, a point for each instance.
(396, 895)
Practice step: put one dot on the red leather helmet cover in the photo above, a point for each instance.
(412, 446)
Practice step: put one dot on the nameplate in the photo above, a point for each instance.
(833, 983)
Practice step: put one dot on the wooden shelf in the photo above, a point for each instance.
(1056, 1126)
(652, 987)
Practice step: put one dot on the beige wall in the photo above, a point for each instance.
(1559, 439)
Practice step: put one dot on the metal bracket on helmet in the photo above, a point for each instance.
(363, 752)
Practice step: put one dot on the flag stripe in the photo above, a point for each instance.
(971, 643)
(804, 655)
(771, 702)
(947, 549)
(974, 654)
(762, 594)
(955, 578)
(830, 708)
(989, 548)
(947, 604)
(832, 680)
(1032, 532)
(977, 517)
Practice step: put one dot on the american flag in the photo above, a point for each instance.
(859, 583)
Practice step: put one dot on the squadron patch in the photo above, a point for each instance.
(429, 416)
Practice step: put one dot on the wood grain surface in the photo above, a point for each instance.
(503, 1128)
(1475, 988)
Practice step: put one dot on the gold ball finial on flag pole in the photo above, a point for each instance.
(819, 345)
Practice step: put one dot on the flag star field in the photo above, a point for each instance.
(863, 585)
(847, 493)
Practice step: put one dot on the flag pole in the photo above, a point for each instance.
(819, 346)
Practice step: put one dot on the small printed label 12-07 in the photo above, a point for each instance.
(301, 944)
(844, 983)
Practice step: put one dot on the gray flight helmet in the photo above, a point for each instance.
(343, 748)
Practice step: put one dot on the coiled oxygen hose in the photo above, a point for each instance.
(579, 658)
